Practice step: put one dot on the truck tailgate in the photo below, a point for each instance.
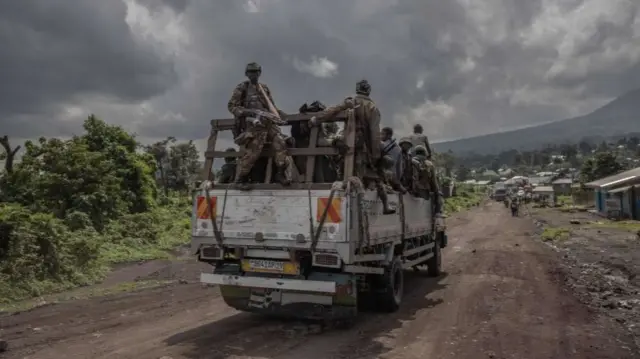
(270, 214)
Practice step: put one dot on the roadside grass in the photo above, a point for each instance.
(84, 257)
(631, 226)
(467, 196)
(550, 234)
(81, 293)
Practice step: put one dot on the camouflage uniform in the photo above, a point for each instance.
(367, 139)
(390, 180)
(418, 138)
(410, 169)
(228, 170)
(428, 183)
(245, 96)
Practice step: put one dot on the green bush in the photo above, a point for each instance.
(70, 208)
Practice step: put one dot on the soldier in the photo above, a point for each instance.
(418, 138)
(228, 170)
(390, 179)
(410, 169)
(252, 135)
(367, 143)
(428, 181)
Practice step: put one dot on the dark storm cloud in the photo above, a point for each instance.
(57, 51)
(462, 67)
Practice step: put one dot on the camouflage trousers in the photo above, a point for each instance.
(257, 138)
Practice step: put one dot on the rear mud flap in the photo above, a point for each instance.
(296, 304)
(444, 239)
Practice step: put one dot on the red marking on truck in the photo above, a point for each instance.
(203, 209)
(333, 214)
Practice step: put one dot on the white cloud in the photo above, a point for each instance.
(318, 66)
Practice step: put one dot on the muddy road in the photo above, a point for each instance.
(501, 296)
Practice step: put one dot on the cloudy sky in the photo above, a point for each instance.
(166, 67)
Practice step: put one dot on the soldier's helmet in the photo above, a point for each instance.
(253, 66)
(230, 159)
(330, 127)
(405, 141)
(386, 161)
(420, 150)
(363, 87)
(417, 128)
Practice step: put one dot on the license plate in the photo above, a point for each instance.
(267, 266)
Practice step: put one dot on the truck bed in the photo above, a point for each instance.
(289, 218)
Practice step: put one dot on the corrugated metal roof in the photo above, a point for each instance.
(621, 189)
(563, 181)
(617, 178)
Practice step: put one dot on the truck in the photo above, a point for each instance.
(319, 251)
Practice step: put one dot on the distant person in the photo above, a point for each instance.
(418, 138)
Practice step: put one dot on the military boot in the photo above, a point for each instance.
(282, 177)
(242, 183)
(386, 208)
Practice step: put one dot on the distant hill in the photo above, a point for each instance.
(618, 117)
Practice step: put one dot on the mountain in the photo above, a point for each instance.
(618, 117)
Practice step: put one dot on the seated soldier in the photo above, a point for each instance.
(228, 170)
(390, 180)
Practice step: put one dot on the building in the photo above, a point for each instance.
(540, 180)
(562, 186)
(545, 194)
(618, 194)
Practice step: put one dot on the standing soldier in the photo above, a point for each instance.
(410, 169)
(418, 138)
(367, 140)
(250, 133)
(428, 181)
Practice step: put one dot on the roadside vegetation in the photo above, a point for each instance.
(70, 209)
(466, 197)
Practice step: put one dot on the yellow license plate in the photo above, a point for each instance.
(268, 266)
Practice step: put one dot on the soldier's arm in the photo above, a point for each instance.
(332, 111)
(270, 96)
(235, 102)
(428, 146)
(374, 133)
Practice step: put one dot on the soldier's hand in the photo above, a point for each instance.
(257, 122)
(349, 103)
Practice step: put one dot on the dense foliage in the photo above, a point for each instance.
(69, 208)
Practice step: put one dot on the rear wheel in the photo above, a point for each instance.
(434, 264)
(392, 287)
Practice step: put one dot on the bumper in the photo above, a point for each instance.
(315, 286)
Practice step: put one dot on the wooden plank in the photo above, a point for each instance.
(208, 163)
(311, 160)
(320, 151)
(225, 124)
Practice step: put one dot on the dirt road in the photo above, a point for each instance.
(501, 297)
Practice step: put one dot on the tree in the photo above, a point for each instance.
(184, 165)
(99, 174)
(603, 164)
(463, 173)
(160, 152)
(9, 154)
